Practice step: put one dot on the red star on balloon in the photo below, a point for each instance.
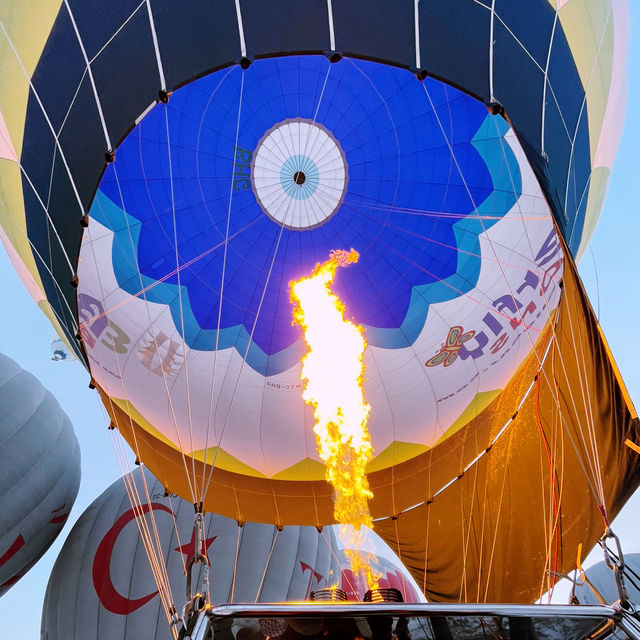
(189, 549)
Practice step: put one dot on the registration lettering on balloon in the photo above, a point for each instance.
(279, 386)
(242, 169)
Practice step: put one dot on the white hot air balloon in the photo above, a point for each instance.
(102, 578)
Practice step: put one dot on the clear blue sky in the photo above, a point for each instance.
(25, 335)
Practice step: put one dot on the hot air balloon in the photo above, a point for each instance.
(60, 351)
(39, 471)
(102, 573)
(169, 170)
(601, 585)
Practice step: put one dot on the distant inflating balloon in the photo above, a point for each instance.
(102, 574)
(39, 471)
(60, 351)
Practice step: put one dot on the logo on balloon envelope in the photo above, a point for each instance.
(117, 603)
(450, 350)
(108, 595)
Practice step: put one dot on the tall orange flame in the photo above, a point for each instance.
(333, 369)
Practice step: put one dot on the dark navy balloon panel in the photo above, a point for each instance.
(356, 154)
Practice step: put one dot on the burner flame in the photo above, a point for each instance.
(333, 371)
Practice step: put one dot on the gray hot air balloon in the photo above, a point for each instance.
(102, 587)
(39, 471)
(603, 580)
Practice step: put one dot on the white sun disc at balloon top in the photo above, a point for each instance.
(299, 174)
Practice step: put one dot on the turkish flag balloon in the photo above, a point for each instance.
(102, 587)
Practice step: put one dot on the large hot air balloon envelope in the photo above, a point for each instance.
(39, 471)
(219, 151)
(101, 585)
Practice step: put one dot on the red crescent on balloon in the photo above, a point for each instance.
(107, 593)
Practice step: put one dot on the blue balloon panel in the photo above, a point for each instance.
(400, 170)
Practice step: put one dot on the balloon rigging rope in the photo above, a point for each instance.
(561, 357)
(483, 522)
(156, 48)
(92, 81)
(88, 69)
(551, 519)
(153, 551)
(143, 290)
(152, 545)
(440, 215)
(58, 147)
(250, 341)
(518, 267)
(154, 334)
(495, 539)
(175, 529)
(235, 564)
(222, 278)
(595, 273)
(395, 195)
(459, 291)
(589, 415)
(266, 565)
(475, 207)
(59, 293)
(320, 190)
(581, 365)
(594, 465)
(555, 503)
(244, 357)
(466, 536)
(115, 34)
(182, 330)
(545, 82)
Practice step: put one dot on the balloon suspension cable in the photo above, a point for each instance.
(198, 600)
(615, 562)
